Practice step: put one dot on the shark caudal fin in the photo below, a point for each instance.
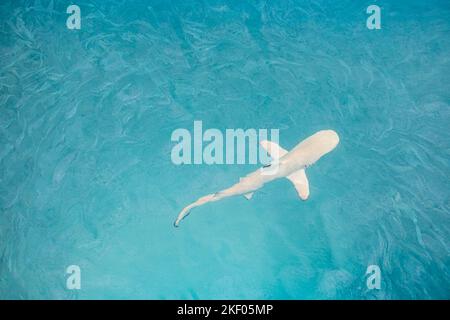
(301, 184)
(185, 212)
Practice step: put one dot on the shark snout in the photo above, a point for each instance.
(334, 137)
(329, 138)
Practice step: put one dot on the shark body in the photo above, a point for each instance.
(290, 165)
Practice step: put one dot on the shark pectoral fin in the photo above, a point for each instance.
(301, 184)
(249, 195)
(273, 149)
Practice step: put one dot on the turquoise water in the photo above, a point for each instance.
(86, 176)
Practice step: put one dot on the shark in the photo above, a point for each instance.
(285, 164)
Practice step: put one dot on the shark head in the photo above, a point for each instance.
(330, 139)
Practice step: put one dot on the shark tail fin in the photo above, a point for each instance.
(301, 184)
(185, 212)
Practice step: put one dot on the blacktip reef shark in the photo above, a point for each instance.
(290, 165)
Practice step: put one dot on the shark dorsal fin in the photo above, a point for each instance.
(301, 184)
(273, 149)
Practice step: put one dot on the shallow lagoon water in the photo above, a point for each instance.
(86, 176)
